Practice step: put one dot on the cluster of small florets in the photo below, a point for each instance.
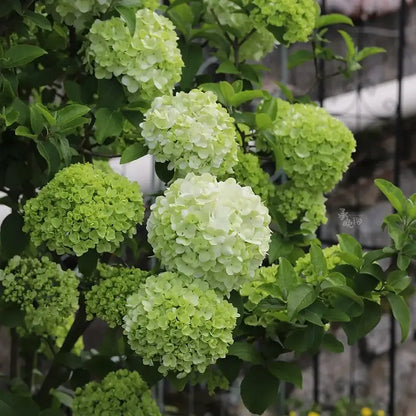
(296, 17)
(44, 292)
(107, 299)
(258, 40)
(248, 172)
(316, 147)
(180, 323)
(191, 131)
(305, 269)
(255, 293)
(218, 231)
(121, 392)
(84, 208)
(295, 202)
(148, 62)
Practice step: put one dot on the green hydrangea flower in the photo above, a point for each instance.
(316, 147)
(191, 131)
(121, 393)
(305, 268)
(259, 41)
(296, 17)
(107, 299)
(248, 172)
(297, 203)
(179, 323)
(84, 208)
(213, 230)
(255, 293)
(44, 292)
(149, 62)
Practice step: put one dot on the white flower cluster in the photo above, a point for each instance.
(149, 60)
(213, 230)
(191, 131)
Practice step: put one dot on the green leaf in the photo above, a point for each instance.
(230, 366)
(36, 120)
(279, 248)
(396, 231)
(349, 43)
(398, 281)
(162, 171)
(107, 123)
(19, 55)
(263, 121)
(73, 90)
(351, 259)
(227, 67)
(305, 339)
(25, 132)
(332, 19)
(289, 372)
(67, 115)
(299, 298)
(87, 263)
(39, 20)
(216, 89)
(350, 245)
(403, 261)
(360, 326)
(369, 51)
(133, 152)
(287, 278)
(51, 154)
(16, 405)
(246, 352)
(182, 17)
(286, 91)
(13, 239)
(259, 389)
(63, 398)
(299, 57)
(401, 313)
(318, 261)
(269, 107)
(227, 91)
(110, 94)
(11, 315)
(332, 344)
(245, 96)
(192, 56)
(393, 194)
(129, 16)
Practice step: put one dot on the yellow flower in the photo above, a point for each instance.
(313, 414)
(366, 411)
(381, 413)
(293, 413)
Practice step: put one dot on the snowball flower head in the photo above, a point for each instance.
(316, 147)
(147, 61)
(191, 131)
(213, 230)
(84, 208)
(44, 292)
(179, 323)
(121, 392)
(107, 299)
(296, 17)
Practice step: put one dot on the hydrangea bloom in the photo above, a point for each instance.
(179, 322)
(121, 392)
(297, 203)
(84, 208)
(107, 299)
(212, 230)
(47, 294)
(259, 41)
(297, 17)
(255, 293)
(149, 61)
(248, 172)
(316, 146)
(191, 131)
(305, 268)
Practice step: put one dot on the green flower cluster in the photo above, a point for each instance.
(258, 40)
(305, 268)
(213, 230)
(121, 392)
(191, 131)
(84, 208)
(180, 323)
(316, 147)
(295, 202)
(149, 61)
(248, 172)
(255, 293)
(297, 17)
(107, 299)
(44, 292)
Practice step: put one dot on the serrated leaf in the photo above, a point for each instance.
(259, 389)
(133, 152)
(129, 16)
(20, 55)
(401, 313)
(246, 352)
(289, 372)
